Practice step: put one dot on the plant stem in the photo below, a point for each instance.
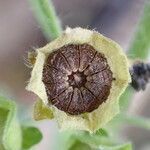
(47, 18)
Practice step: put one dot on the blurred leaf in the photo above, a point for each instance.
(126, 146)
(134, 120)
(46, 16)
(84, 141)
(139, 48)
(141, 44)
(94, 140)
(80, 146)
(41, 111)
(10, 131)
(68, 139)
(65, 139)
(31, 136)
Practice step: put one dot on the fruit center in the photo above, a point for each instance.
(77, 79)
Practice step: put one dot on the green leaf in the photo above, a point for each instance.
(31, 136)
(65, 139)
(47, 18)
(83, 140)
(80, 146)
(127, 146)
(134, 120)
(68, 139)
(139, 48)
(141, 43)
(41, 111)
(94, 140)
(10, 131)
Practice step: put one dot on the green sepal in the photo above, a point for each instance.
(41, 111)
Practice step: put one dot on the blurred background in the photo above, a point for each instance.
(20, 32)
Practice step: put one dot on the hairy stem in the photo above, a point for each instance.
(47, 18)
